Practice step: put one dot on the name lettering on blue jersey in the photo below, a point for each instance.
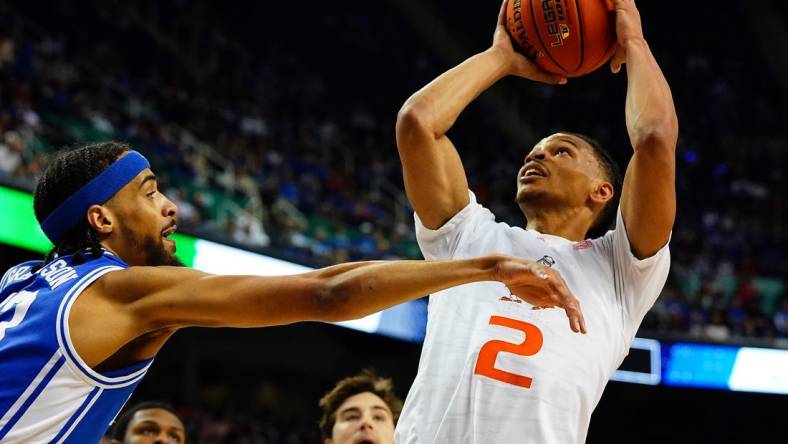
(58, 273)
(16, 274)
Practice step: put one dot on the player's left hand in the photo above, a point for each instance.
(541, 287)
(628, 29)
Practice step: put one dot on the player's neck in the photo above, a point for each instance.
(112, 249)
(571, 223)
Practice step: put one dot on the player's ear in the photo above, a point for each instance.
(328, 441)
(100, 219)
(603, 192)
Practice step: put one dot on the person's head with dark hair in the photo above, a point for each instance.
(360, 409)
(569, 182)
(104, 195)
(149, 422)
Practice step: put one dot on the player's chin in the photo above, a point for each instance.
(529, 193)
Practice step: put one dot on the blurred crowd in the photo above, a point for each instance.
(265, 147)
(364, 405)
(220, 426)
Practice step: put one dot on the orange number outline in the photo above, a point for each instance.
(532, 343)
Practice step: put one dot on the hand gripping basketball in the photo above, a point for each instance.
(541, 287)
(566, 37)
(516, 63)
(628, 29)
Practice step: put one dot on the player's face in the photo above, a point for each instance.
(149, 426)
(145, 220)
(561, 170)
(363, 419)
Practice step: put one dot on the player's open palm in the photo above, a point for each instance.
(541, 287)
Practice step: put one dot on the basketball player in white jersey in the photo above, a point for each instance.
(502, 369)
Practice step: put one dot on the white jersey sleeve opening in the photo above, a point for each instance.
(445, 242)
(639, 281)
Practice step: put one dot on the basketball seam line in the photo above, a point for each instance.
(539, 36)
(580, 31)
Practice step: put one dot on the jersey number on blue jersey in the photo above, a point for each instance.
(20, 302)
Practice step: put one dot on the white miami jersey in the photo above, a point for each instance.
(493, 370)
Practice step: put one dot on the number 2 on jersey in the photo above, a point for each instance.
(485, 364)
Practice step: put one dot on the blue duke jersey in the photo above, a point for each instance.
(47, 393)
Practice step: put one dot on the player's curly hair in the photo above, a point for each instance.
(366, 381)
(65, 175)
(607, 218)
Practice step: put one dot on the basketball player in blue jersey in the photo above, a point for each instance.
(79, 330)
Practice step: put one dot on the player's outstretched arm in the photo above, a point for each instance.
(338, 293)
(435, 180)
(165, 297)
(142, 301)
(648, 199)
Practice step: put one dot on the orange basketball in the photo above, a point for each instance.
(569, 37)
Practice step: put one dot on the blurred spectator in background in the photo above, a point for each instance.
(249, 230)
(6, 51)
(780, 318)
(10, 153)
(149, 423)
(360, 408)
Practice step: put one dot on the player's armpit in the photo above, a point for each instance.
(134, 310)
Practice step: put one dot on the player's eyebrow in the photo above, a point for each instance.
(567, 140)
(154, 423)
(358, 410)
(349, 409)
(381, 407)
(147, 178)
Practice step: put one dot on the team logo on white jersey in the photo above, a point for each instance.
(547, 261)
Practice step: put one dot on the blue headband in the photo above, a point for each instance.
(99, 190)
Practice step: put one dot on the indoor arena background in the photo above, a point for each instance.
(271, 125)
